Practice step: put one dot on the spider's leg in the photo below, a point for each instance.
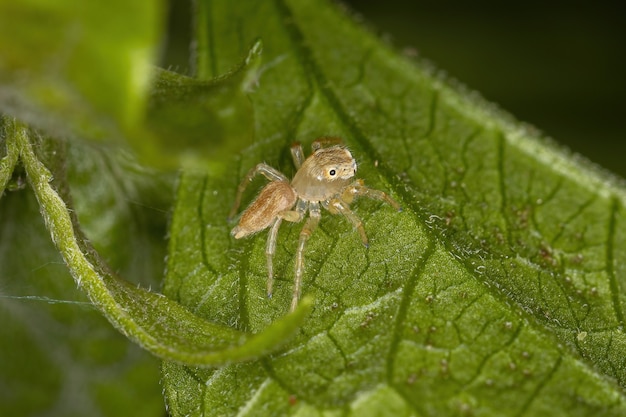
(267, 171)
(358, 188)
(336, 206)
(328, 140)
(305, 234)
(270, 250)
(297, 154)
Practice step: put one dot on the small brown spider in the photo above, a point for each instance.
(323, 179)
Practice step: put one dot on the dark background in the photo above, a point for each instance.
(558, 65)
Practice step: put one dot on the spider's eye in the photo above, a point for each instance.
(332, 172)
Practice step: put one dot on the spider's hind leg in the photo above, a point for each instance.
(305, 234)
(325, 141)
(272, 237)
(270, 250)
(267, 171)
(297, 154)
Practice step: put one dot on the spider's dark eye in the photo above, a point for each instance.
(332, 172)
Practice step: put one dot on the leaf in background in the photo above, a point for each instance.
(500, 284)
(194, 122)
(59, 356)
(78, 68)
(84, 70)
(157, 324)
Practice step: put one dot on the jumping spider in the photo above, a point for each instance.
(323, 179)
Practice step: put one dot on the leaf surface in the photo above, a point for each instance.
(501, 282)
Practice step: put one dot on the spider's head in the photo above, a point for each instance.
(332, 164)
(324, 173)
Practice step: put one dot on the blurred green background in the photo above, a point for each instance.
(558, 65)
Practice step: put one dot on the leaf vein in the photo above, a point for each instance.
(408, 289)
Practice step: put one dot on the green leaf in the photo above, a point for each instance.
(59, 355)
(501, 283)
(64, 69)
(78, 68)
(193, 122)
(159, 325)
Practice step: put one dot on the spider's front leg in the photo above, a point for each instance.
(358, 188)
(267, 171)
(341, 204)
(338, 206)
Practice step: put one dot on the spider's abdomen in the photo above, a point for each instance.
(275, 197)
